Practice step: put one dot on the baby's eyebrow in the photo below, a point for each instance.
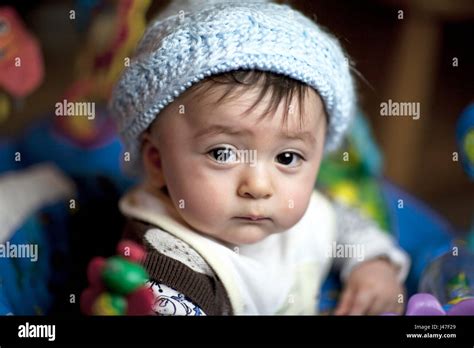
(304, 136)
(220, 129)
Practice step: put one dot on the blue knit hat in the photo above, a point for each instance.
(194, 39)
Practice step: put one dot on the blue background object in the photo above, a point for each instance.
(7, 156)
(42, 143)
(422, 233)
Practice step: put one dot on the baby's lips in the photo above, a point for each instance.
(252, 217)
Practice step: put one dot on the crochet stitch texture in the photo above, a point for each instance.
(192, 40)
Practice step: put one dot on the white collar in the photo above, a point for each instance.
(259, 277)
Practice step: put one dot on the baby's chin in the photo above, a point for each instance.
(235, 232)
(241, 235)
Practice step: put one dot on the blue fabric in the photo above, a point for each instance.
(5, 307)
(420, 232)
(25, 282)
(7, 156)
(41, 143)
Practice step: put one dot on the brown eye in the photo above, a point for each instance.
(288, 158)
(223, 154)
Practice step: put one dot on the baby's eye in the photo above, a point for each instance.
(289, 158)
(223, 154)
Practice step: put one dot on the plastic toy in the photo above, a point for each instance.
(99, 69)
(85, 10)
(117, 284)
(427, 304)
(82, 146)
(21, 63)
(352, 175)
(450, 278)
(447, 287)
(465, 140)
(78, 156)
(447, 284)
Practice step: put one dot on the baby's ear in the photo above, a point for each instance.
(152, 162)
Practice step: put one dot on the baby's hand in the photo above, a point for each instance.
(372, 288)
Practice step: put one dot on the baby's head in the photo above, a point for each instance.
(238, 154)
(230, 109)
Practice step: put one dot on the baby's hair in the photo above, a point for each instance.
(280, 87)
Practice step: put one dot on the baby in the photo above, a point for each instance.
(226, 112)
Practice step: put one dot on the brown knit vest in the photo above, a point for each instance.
(205, 291)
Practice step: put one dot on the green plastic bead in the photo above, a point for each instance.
(123, 276)
(109, 304)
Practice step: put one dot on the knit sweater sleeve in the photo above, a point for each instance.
(364, 236)
(169, 301)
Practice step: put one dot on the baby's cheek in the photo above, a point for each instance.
(293, 206)
(204, 203)
(207, 203)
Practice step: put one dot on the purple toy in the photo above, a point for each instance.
(427, 304)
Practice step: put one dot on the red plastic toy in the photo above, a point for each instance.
(117, 284)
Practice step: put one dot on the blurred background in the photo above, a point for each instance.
(410, 51)
(406, 51)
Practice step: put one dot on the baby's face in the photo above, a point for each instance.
(233, 176)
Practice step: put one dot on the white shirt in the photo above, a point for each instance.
(281, 274)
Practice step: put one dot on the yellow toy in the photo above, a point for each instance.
(101, 63)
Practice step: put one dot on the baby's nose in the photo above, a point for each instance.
(255, 184)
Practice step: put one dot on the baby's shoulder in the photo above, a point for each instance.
(168, 245)
(162, 245)
(173, 263)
